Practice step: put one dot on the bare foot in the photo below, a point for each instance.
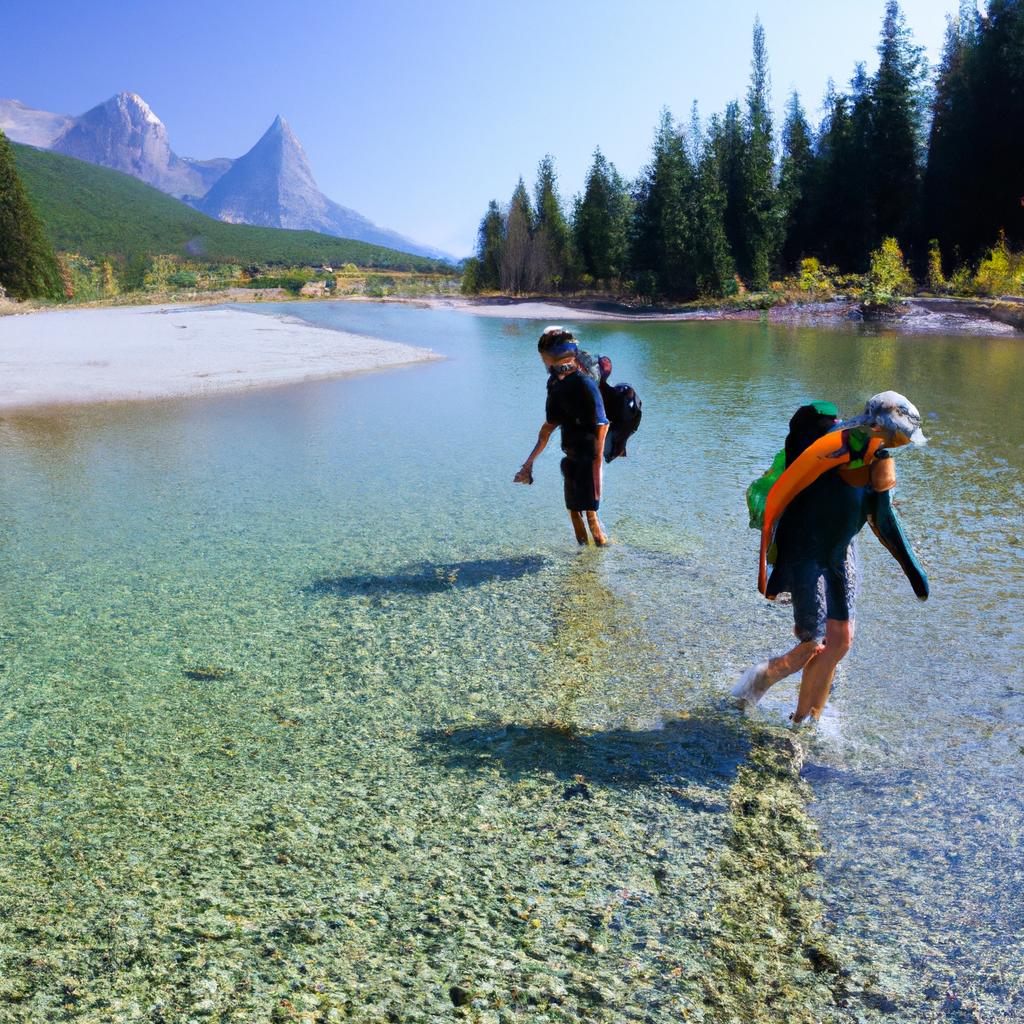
(752, 685)
(600, 537)
(579, 528)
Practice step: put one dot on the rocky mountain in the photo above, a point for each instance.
(272, 185)
(37, 128)
(125, 134)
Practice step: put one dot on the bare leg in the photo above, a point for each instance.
(579, 527)
(600, 537)
(816, 683)
(792, 661)
(756, 681)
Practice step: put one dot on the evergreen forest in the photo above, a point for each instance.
(912, 172)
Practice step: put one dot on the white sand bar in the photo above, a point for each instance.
(104, 355)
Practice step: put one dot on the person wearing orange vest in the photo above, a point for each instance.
(834, 481)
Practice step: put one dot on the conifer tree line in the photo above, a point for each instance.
(931, 158)
(28, 265)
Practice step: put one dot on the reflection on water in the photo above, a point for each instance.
(298, 679)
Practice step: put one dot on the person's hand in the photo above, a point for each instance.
(525, 474)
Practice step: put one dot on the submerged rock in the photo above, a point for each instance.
(203, 673)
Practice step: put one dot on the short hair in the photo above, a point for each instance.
(555, 338)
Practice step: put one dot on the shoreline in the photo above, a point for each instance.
(67, 357)
(914, 315)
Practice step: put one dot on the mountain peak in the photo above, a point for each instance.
(133, 103)
(125, 134)
(271, 185)
(281, 130)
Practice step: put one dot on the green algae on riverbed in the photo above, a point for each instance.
(372, 817)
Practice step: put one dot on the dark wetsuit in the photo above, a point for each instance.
(816, 559)
(574, 404)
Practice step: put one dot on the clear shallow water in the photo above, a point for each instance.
(291, 681)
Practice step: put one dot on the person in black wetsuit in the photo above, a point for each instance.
(574, 405)
(816, 549)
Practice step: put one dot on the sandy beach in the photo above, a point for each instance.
(103, 355)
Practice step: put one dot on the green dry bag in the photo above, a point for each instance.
(757, 492)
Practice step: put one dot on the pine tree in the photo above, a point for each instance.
(841, 208)
(757, 249)
(730, 149)
(795, 183)
(1000, 97)
(897, 106)
(601, 222)
(28, 266)
(953, 144)
(485, 272)
(663, 227)
(517, 265)
(714, 268)
(551, 238)
(977, 142)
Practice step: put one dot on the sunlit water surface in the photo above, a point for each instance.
(299, 672)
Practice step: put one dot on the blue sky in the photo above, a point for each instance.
(416, 114)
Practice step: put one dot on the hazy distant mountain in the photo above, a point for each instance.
(125, 134)
(273, 185)
(33, 127)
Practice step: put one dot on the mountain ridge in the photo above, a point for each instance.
(271, 185)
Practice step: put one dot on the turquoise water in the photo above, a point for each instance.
(299, 691)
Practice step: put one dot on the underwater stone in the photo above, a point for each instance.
(459, 996)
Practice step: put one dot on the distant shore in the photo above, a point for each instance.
(915, 315)
(78, 356)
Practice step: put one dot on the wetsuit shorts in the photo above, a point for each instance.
(578, 477)
(822, 591)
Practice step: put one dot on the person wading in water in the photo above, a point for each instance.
(831, 479)
(574, 405)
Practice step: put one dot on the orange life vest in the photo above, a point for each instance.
(831, 451)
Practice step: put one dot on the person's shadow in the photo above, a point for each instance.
(704, 748)
(428, 577)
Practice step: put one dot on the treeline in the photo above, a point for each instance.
(932, 160)
(28, 265)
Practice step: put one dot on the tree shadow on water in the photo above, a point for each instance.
(429, 577)
(703, 749)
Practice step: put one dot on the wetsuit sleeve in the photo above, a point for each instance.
(600, 419)
(551, 412)
(889, 530)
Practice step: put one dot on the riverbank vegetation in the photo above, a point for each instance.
(166, 277)
(910, 179)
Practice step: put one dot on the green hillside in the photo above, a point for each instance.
(102, 213)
